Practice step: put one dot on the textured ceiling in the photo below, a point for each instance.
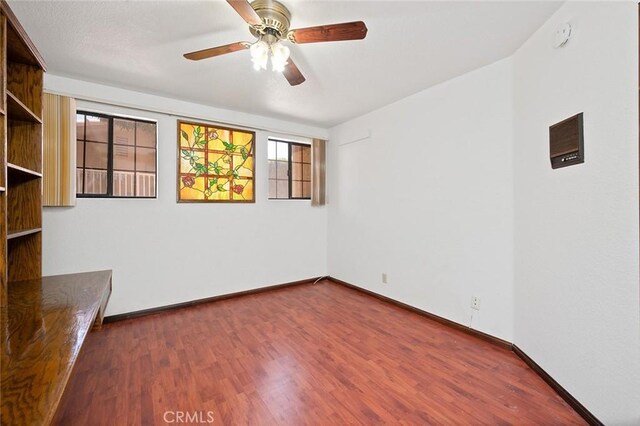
(410, 46)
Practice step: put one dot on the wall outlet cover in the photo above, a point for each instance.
(475, 303)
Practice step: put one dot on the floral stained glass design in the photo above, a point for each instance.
(215, 164)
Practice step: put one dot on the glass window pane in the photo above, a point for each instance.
(123, 184)
(79, 154)
(306, 154)
(146, 159)
(145, 184)
(80, 126)
(272, 169)
(79, 187)
(146, 134)
(296, 171)
(271, 148)
(272, 188)
(283, 168)
(296, 189)
(296, 153)
(283, 189)
(306, 172)
(133, 147)
(95, 181)
(283, 151)
(96, 155)
(124, 132)
(123, 158)
(97, 129)
(306, 189)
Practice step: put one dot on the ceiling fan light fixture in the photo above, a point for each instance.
(259, 54)
(279, 56)
(269, 22)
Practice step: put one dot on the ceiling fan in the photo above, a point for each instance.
(269, 22)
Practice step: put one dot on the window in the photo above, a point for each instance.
(116, 156)
(289, 170)
(215, 164)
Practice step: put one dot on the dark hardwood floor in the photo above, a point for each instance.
(310, 354)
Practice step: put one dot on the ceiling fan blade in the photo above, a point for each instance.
(245, 10)
(293, 74)
(216, 51)
(335, 32)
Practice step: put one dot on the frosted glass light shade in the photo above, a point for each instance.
(259, 54)
(279, 56)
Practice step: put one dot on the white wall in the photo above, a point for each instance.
(576, 229)
(162, 252)
(428, 198)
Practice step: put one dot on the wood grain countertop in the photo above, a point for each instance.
(44, 326)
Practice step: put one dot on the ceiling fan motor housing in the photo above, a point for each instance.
(276, 18)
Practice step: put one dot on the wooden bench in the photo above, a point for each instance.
(44, 326)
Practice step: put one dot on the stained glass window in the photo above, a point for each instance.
(215, 164)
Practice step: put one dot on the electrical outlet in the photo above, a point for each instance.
(475, 303)
(384, 278)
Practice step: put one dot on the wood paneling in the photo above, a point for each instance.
(43, 332)
(309, 354)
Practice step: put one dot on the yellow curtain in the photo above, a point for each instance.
(318, 172)
(59, 151)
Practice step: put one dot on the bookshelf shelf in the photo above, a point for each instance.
(17, 234)
(19, 111)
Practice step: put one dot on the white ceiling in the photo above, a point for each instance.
(410, 46)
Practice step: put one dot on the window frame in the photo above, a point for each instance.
(289, 167)
(110, 151)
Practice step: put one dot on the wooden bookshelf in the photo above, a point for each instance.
(21, 87)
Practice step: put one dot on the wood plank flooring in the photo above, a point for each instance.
(311, 354)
